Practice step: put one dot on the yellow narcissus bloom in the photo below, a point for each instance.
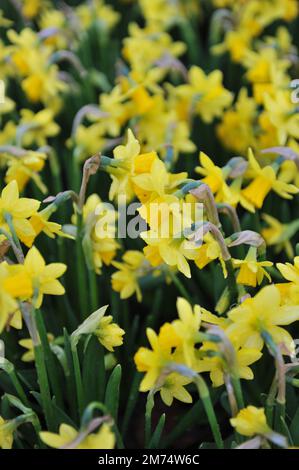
(69, 437)
(215, 178)
(8, 304)
(289, 271)
(174, 387)
(152, 362)
(27, 343)
(208, 252)
(96, 10)
(279, 235)
(217, 366)
(40, 223)
(236, 131)
(203, 95)
(23, 169)
(187, 328)
(31, 8)
(100, 226)
(36, 128)
(45, 86)
(143, 175)
(43, 277)
(121, 177)
(265, 180)
(56, 22)
(144, 48)
(109, 334)
(18, 209)
(6, 434)
(289, 290)
(262, 313)
(251, 271)
(251, 421)
(14, 285)
(283, 114)
(156, 182)
(88, 140)
(172, 251)
(125, 280)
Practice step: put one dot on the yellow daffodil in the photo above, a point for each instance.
(251, 421)
(264, 181)
(278, 234)
(43, 277)
(204, 95)
(31, 8)
(8, 302)
(289, 290)
(236, 130)
(100, 229)
(125, 280)
(121, 183)
(97, 10)
(187, 328)
(172, 251)
(152, 362)
(37, 127)
(262, 313)
(70, 437)
(208, 252)
(6, 434)
(18, 209)
(289, 271)
(215, 178)
(252, 272)
(109, 334)
(217, 366)
(27, 343)
(26, 168)
(174, 387)
(40, 223)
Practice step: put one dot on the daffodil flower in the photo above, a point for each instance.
(265, 180)
(19, 209)
(252, 272)
(69, 436)
(262, 313)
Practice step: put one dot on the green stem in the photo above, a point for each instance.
(148, 418)
(208, 406)
(231, 281)
(81, 270)
(19, 388)
(180, 286)
(238, 391)
(132, 398)
(271, 401)
(49, 359)
(78, 380)
(93, 289)
(44, 386)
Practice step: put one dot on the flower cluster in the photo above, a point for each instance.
(182, 115)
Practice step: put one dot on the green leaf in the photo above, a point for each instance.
(131, 401)
(294, 428)
(94, 383)
(155, 439)
(112, 392)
